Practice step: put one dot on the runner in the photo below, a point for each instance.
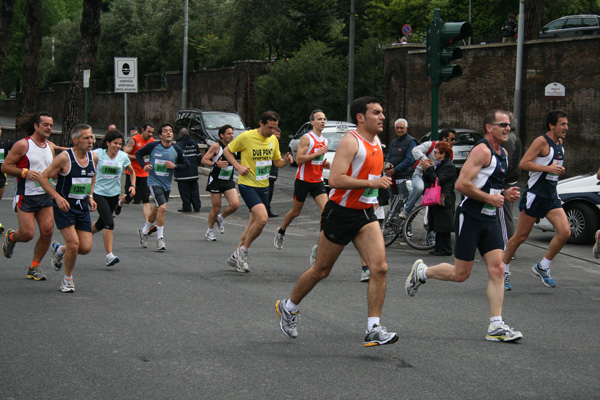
(111, 163)
(72, 201)
(220, 182)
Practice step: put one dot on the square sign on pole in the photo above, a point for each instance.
(126, 80)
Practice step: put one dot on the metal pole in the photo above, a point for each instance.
(86, 105)
(518, 74)
(351, 60)
(469, 40)
(435, 79)
(184, 90)
(125, 112)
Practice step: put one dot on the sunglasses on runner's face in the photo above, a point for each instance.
(501, 124)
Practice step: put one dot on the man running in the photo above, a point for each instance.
(348, 216)
(28, 158)
(142, 194)
(72, 200)
(220, 182)
(476, 224)
(163, 160)
(544, 161)
(309, 176)
(259, 150)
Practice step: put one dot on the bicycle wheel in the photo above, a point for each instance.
(415, 230)
(392, 224)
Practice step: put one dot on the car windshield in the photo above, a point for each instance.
(467, 138)
(215, 121)
(333, 139)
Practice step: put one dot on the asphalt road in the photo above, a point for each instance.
(184, 325)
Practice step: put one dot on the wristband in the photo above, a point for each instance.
(133, 186)
(24, 172)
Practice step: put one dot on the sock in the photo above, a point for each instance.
(291, 307)
(282, 231)
(159, 232)
(372, 321)
(12, 239)
(220, 217)
(69, 277)
(146, 227)
(545, 263)
(34, 264)
(109, 255)
(506, 268)
(209, 230)
(495, 322)
(244, 249)
(422, 275)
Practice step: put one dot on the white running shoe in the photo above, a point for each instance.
(242, 261)
(221, 224)
(278, 240)
(313, 254)
(160, 244)
(56, 259)
(67, 286)
(210, 236)
(111, 260)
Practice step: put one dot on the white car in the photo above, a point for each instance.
(580, 196)
(333, 131)
(465, 140)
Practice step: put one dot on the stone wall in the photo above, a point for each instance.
(488, 82)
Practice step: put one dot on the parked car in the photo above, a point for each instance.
(336, 127)
(204, 125)
(465, 140)
(571, 26)
(333, 131)
(580, 197)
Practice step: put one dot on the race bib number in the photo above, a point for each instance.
(110, 170)
(226, 173)
(554, 177)
(488, 209)
(263, 168)
(1, 156)
(160, 168)
(369, 196)
(80, 188)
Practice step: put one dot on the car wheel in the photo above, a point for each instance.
(583, 222)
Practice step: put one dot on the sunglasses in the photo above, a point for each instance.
(501, 124)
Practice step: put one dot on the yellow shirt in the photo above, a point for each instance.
(258, 153)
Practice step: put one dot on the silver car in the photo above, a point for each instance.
(572, 26)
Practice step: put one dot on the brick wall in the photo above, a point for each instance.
(488, 82)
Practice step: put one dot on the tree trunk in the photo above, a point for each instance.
(33, 53)
(86, 59)
(6, 19)
(534, 11)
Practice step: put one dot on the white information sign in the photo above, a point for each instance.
(126, 80)
(86, 78)
(554, 91)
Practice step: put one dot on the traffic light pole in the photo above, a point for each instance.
(435, 79)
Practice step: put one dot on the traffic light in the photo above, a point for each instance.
(449, 34)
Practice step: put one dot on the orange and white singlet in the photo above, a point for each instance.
(312, 171)
(367, 164)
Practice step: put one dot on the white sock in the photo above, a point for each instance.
(159, 232)
(69, 277)
(545, 263)
(109, 255)
(291, 307)
(146, 228)
(371, 321)
(422, 274)
(244, 249)
(220, 217)
(209, 230)
(495, 322)
(506, 268)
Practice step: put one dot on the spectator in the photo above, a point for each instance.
(509, 29)
(440, 218)
(187, 179)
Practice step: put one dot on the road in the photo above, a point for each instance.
(184, 325)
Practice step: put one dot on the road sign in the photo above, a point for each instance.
(406, 29)
(126, 80)
(86, 78)
(554, 91)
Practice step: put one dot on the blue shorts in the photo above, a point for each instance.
(160, 195)
(77, 215)
(303, 188)
(473, 234)
(538, 207)
(254, 195)
(340, 225)
(32, 203)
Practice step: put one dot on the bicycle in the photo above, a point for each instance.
(414, 228)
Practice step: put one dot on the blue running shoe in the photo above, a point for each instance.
(507, 286)
(544, 275)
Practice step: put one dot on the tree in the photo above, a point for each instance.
(6, 18)
(86, 59)
(533, 18)
(33, 51)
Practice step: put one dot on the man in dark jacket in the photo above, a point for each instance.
(400, 156)
(187, 179)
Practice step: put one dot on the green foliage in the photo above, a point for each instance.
(311, 78)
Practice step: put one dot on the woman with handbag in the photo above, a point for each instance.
(442, 172)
